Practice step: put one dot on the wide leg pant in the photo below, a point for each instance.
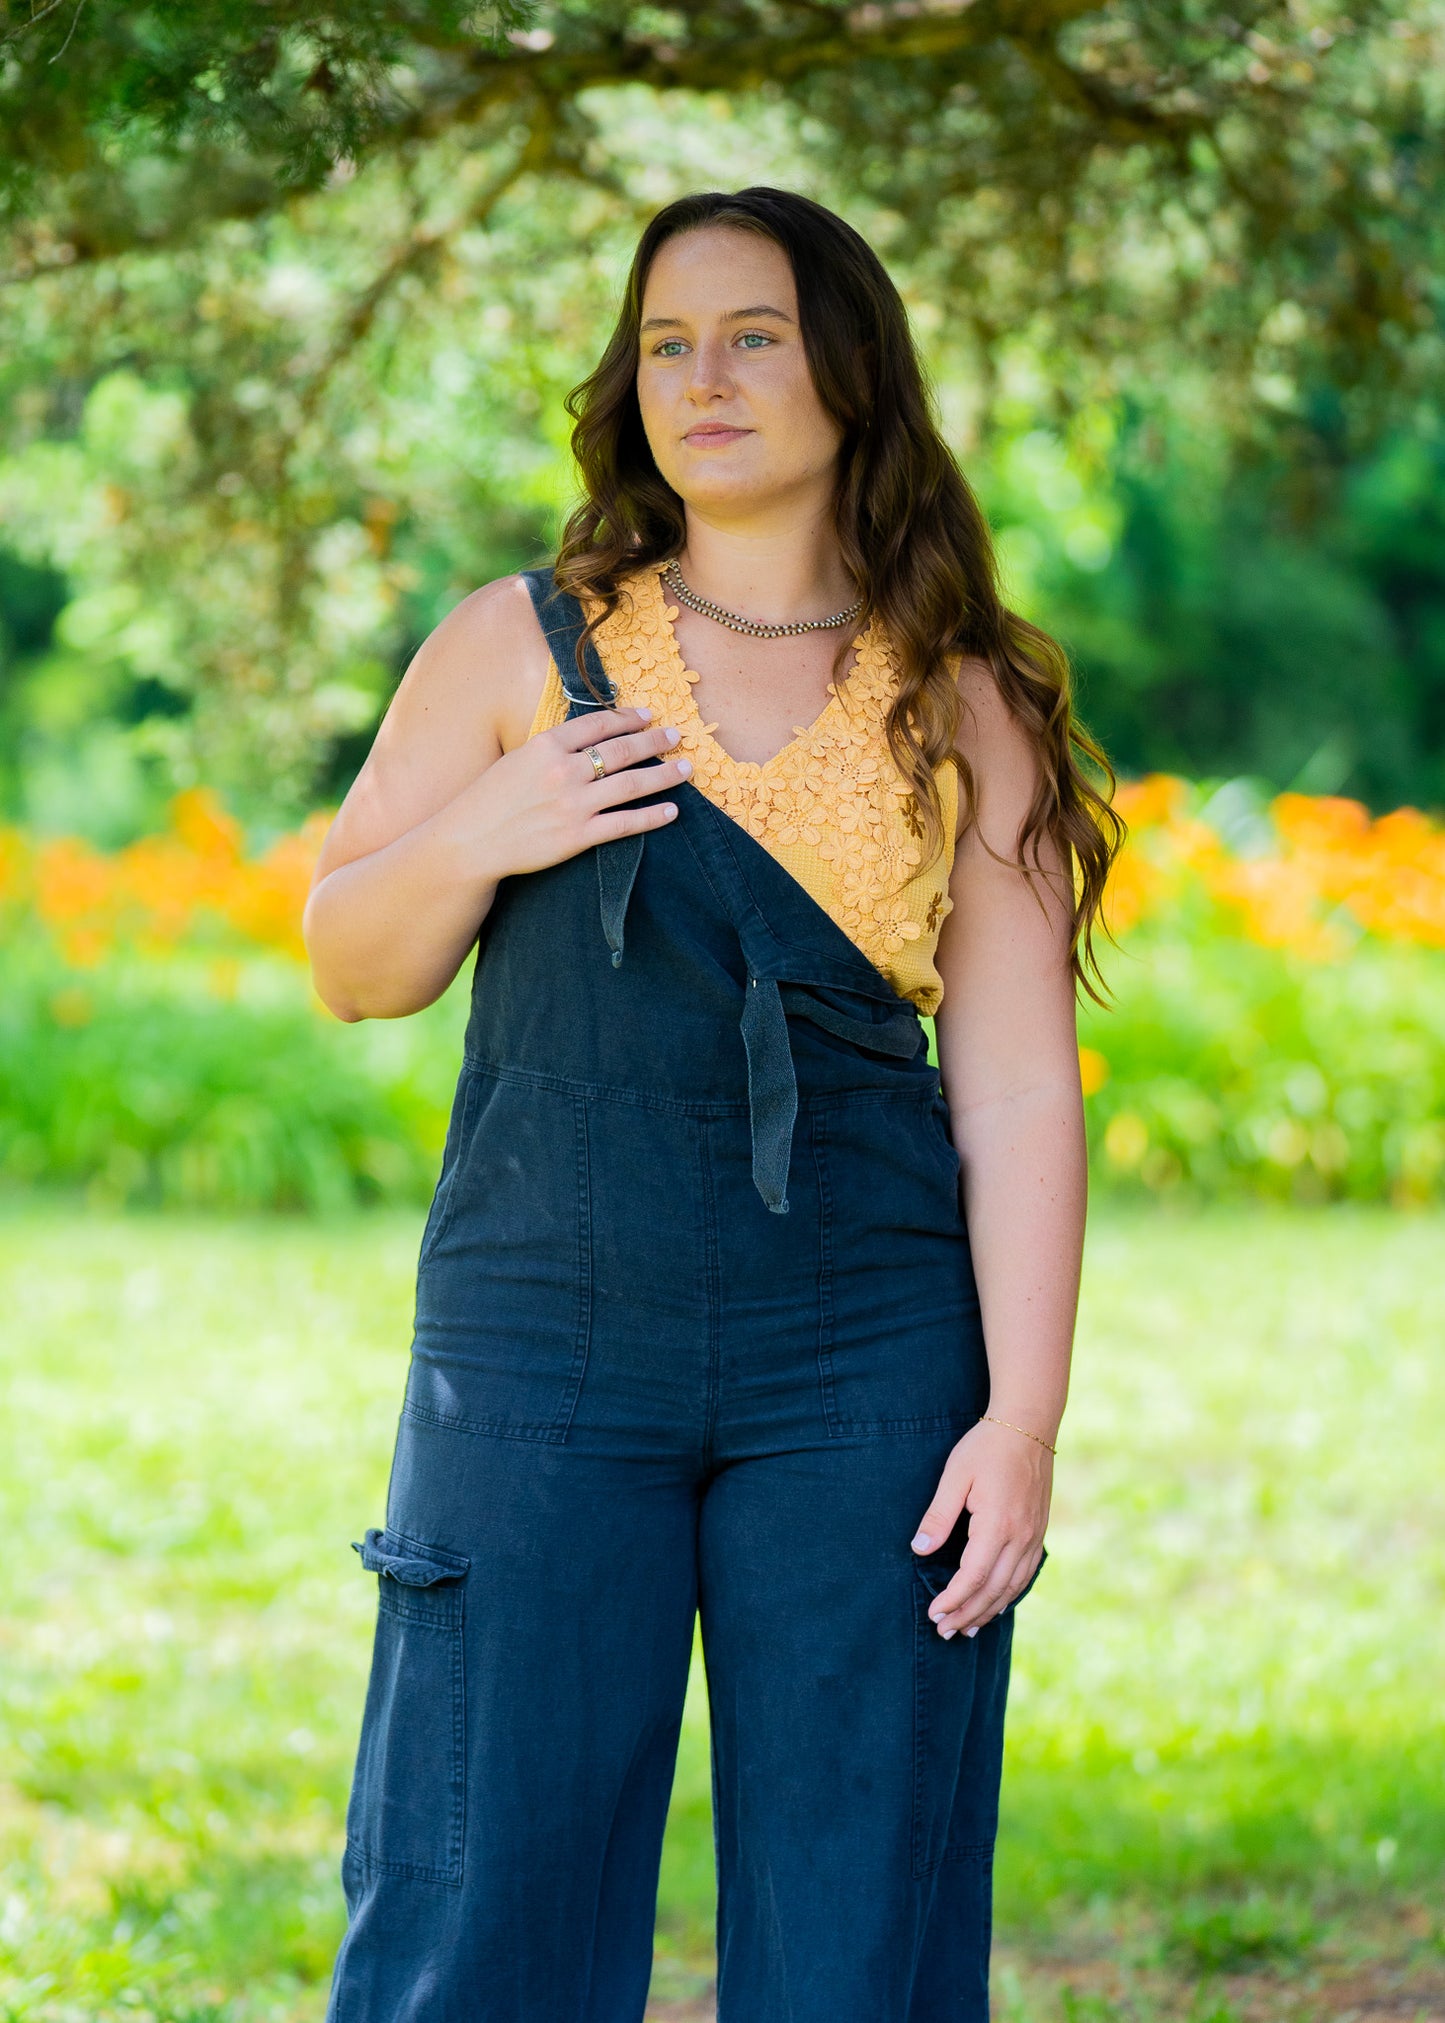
(536, 1620)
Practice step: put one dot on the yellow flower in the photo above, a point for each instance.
(895, 925)
(1093, 1070)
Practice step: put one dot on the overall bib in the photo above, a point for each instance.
(696, 1328)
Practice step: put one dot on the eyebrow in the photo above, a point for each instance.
(732, 316)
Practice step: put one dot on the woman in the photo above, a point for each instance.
(701, 1308)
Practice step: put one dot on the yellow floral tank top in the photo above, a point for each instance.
(831, 806)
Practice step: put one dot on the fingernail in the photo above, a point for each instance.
(922, 1542)
(641, 711)
(973, 1632)
(684, 766)
(671, 733)
(946, 1634)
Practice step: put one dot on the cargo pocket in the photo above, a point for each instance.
(408, 1797)
(959, 1689)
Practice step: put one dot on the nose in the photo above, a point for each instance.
(710, 378)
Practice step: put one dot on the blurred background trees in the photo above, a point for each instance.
(293, 299)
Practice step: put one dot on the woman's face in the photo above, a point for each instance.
(728, 403)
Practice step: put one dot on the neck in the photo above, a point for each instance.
(778, 575)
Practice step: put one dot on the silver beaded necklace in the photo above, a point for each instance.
(752, 626)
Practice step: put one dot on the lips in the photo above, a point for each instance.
(715, 435)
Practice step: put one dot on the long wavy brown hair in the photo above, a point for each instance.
(912, 535)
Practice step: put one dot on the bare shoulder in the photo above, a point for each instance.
(468, 695)
(1003, 757)
(482, 666)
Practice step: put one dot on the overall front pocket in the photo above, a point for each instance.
(503, 1283)
(901, 1345)
(458, 1133)
(959, 1689)
(407, 1812)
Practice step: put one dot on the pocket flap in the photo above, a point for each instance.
(878, 1028)
(407, 1561)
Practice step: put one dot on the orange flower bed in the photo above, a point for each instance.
(191, 883)
(1385, 875)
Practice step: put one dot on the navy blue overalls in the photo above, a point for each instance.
(696, 1328)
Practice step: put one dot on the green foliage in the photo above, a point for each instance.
(1214, 1938)
(1284, 620)
(1240, 1069)
(142, 1084)
(1224, 1753)
(1108, 174)
(283, 90)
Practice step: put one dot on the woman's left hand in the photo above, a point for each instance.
(1004, 1480)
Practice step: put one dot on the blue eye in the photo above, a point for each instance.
(761, 335)
(663, 351)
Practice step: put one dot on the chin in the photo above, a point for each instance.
(723, 489)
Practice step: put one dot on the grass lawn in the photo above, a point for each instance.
(1225, 1794)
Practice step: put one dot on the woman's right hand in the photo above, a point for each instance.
(457, 795)
(544, 801)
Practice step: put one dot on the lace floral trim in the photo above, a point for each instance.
(834, 788)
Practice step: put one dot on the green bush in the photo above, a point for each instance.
(142, 1084)
(1234, 1068)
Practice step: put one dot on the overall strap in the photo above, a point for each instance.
(563, 622)
(791, 976)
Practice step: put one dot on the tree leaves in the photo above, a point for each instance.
(1128, 172)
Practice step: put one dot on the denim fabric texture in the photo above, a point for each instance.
(696, 1327)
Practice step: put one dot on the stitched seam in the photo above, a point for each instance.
(640, 1099)
(503, 1429)
(567, 1403)
(938, 1422)
(842, 1099)
(449, 1177)
(425, 1549)
(921, 1866)
(700, 859)
(818, 1135)
(374, 1864)
(444, 1619)
(459, 1744)
(713, 1267)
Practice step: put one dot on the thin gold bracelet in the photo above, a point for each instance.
(1019, 1429)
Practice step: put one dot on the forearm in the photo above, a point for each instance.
(387, 932)
(1024, 1194)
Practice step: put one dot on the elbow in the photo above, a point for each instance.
(336, 1000)
(351, 1007)
(338, 1004)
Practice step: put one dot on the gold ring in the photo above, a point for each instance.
(599, 771)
